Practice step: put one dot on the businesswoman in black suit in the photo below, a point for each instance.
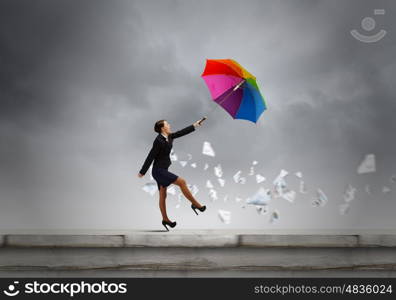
(159, 153)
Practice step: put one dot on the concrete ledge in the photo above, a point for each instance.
(299, 240)
(181, 240)
(377, 240)
(198, 239)
(185, 253)
(63, 241)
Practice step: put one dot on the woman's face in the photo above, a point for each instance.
(166, 128)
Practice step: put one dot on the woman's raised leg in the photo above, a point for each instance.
(186, 192)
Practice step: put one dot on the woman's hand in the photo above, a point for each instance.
(199, 122)
(140, 175)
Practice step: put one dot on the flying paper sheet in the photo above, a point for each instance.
(183, 163)
(173, 156)
(251, 172)
(171, 189)
(221, 181)
(290, 196)
(386, 190)
(274, 217)
(209, 185)
(320, 200)
(194, 165)
(206, 167)
(225, 216)
(150, 187)
(298, 174)
(259, 178)
(179, 197)
(217, 170)
(262, 209)
(238, 179)
(255, 162)
(280, 183)
(193, 188)
(236, 176)
(367, 165)
(213, 194)
(261, 197)
(349, 194)
(207, 149)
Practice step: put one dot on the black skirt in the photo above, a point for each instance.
(163, 176)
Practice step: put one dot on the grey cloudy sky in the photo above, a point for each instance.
(82, 83)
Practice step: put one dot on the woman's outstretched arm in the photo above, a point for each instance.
(150, 157)
(182, 132)
(186, 130)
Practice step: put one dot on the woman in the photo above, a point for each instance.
(159, 153)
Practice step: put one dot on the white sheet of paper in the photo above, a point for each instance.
(225, 216)
(209, 185)
(213, 194)
(150, 187)
(171, 189)
(261, 197)
(218, 171)
(259, 178)
(221, 181)
(237, 176)
(251, 172)
(207, 149)
(386, 190)
(274, 217)
(289, 195)
(367, 165)
(173, 156)
(349, 194)
(303, 188)
(262, 209)
(320, 199)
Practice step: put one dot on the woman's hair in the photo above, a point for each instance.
(158, 125)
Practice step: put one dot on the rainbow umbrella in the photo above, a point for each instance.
(234, 89)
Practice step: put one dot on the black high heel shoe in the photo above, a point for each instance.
(171, 224)
(200, 209)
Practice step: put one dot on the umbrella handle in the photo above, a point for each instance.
(200, 121)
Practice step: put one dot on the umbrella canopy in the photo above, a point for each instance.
(234, 89)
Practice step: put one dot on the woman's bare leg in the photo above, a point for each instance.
(162, 204)
(186, 192)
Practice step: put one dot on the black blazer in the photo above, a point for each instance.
(161, 150)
